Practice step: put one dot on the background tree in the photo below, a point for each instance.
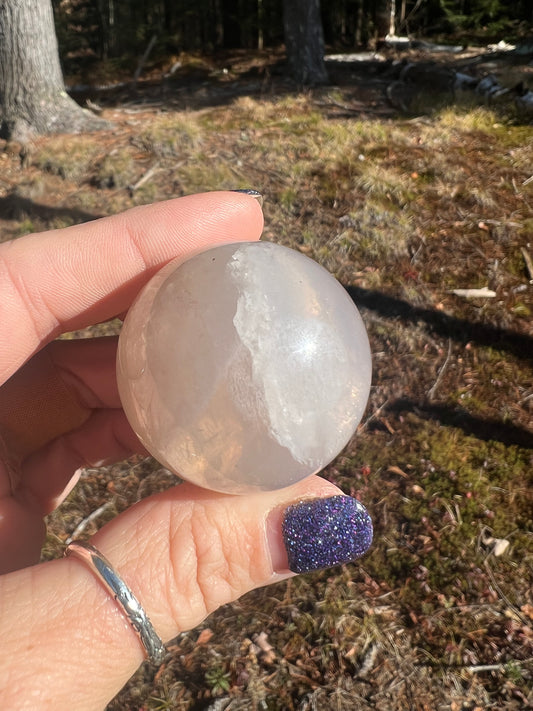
(99, 38)
(33, 99)
(93, 30)
(304, 41)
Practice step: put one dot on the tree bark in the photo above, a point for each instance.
(304, 41)
(33, 99)
(382, 19)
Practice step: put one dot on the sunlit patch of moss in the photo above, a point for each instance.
(479, 118)
(359, 139)
(58, 223)
(302, 124)
(526, 228)
(381, 181)
(376, 232)
(522, 310)
(116, 170)
(517, 139)
(207, 172)
(288, 198)
(172, 134)
(285, 112)
(70, 157)
(25, 227)
(89, 200)
(456, 485)
(482, 197)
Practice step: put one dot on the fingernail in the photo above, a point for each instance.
(252, 193)
(321, 533)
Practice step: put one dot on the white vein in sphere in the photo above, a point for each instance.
(287, 385)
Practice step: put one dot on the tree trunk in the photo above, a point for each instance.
(382, 19)
(304, 41)
(33, 99)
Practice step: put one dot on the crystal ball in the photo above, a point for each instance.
(245, 368)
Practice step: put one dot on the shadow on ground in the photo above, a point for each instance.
(444, 325)
(15, 207)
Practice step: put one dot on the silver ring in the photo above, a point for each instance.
(131, 607)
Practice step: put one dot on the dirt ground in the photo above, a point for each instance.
(411, 205)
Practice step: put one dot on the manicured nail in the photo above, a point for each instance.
(321, 533)
(252, 193)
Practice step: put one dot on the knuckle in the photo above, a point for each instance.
(214, 560)
(32, 311)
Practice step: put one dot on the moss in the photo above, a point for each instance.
(117, 170)
(172, 135)
(478, 118)
(456, 486)
(25, 227)
(526, 226)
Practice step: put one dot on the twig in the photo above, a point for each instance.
(82, 525)
(503, 595)
(374, 415)
(485, 667)
(142, 60)
(499, 223)
(528, 261)
(144, 178)
(483, 293)
(440, 374)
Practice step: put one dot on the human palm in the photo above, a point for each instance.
(59, 413)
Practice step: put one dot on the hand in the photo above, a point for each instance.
(183, 552)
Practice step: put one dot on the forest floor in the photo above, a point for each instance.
(405, 210)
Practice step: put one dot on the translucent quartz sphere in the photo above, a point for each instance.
(246, 367)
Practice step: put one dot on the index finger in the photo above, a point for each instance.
(67, 279)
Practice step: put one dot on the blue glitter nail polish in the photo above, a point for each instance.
(321, 533)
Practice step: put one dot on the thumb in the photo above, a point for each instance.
(190, 550)
(183, 553)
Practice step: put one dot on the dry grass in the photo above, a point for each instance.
(401, 211)
(71, 160)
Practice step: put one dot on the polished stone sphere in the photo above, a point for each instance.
(246, 367)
